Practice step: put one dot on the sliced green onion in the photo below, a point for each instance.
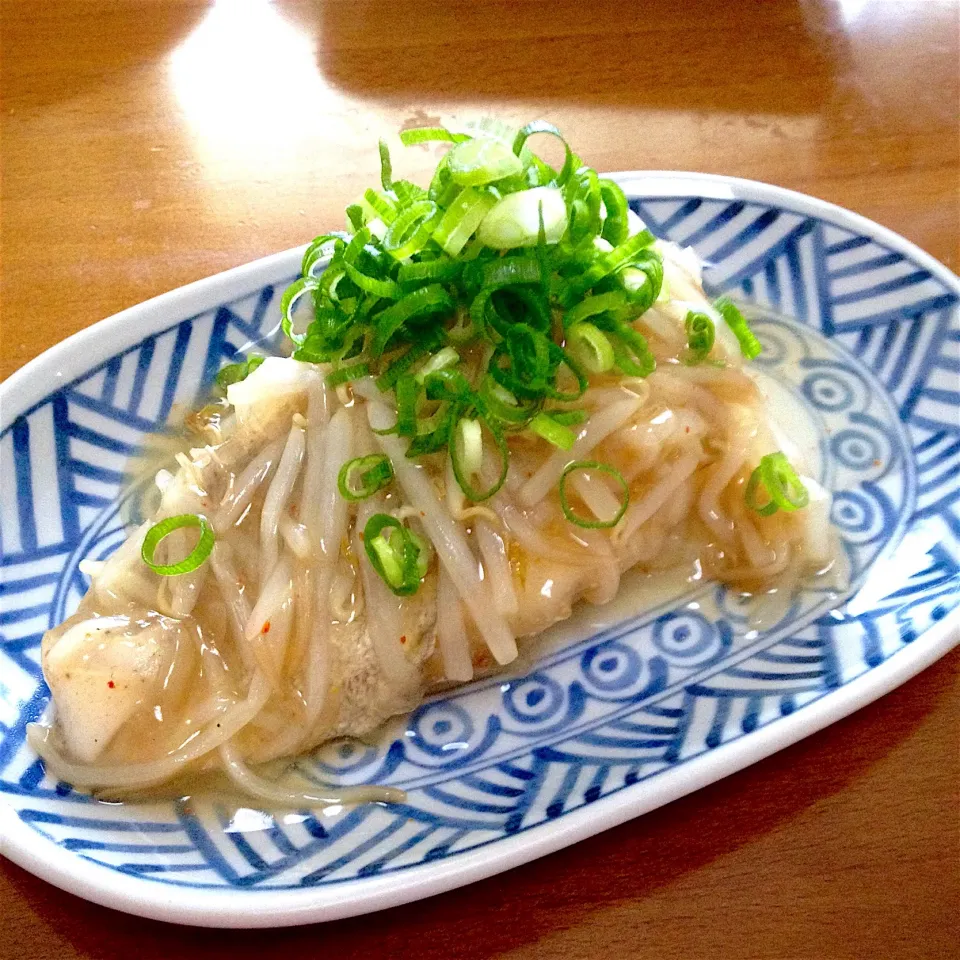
(407, 193)
(563, 359)
(515, 220)
(398, 556)
(532, 265)
(569, 418)
(431, 134)
(447, 357)
(433, 434)
(469, 441)
(591, 306)
(346, 374)
(318, 249)
(503, 406)
(604, 265)
(426, 300)
(463, 216)
(291, 295)
(750, 346)
(379, 286)
(509, 270)
(235, 372)
(407, 392)
(411, 231)
(482, 160)
(386, 168)
(701, 333)
(584, 199)
(355, 216)
(441, 271)
(590, 347)
(385, 288)
(461, 462)
(600, 468)
(632, 354)
(781, 486)
(616, 226)
(546, 426)
(643, 279)
(159, 531)
(424, 345)
(362, 477)
(540, 126)
(380, 206)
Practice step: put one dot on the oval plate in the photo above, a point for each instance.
(605, 726)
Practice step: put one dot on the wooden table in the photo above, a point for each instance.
(147, 144)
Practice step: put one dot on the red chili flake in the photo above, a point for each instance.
(877, 463)
(361, 535)
(422, 514)
(111, 684)
(266, 627)
(403, 639)
(687, 429)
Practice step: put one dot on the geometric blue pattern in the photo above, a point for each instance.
(872, 356)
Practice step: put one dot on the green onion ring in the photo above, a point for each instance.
(541, 126)
(545, 426)
(462, 217)
(470, 491)
(235, 372)
(290, 296)
(411, 231)
(701, 333)
(362, 477)
(380, 205)
(441, 271)
(345, 374)
(777, 478)
(591, 306)
(317, 250)
(590, 347)
(482, 160)
(159, 531)
(430, 135)
(749, 345)
(399, 557)
(601, 468)
(604, 265)
(426, 300)
(386, 168)
(616, 226)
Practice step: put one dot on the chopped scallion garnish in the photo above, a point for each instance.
(775, 485)
(398, 555)
(486, 299)
(701, 333)
(590, 347)
(362, 477)
(235, 372)
(589, 467)
(160, 531)
(749, 345)
(553, 432)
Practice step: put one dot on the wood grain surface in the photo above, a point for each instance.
(148, 144)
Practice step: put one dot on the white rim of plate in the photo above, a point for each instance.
(224, 908)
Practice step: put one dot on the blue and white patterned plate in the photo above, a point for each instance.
(605, 726)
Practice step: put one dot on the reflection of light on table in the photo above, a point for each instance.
(244, 78)
(851, 9)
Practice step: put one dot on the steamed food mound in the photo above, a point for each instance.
(501, 393)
